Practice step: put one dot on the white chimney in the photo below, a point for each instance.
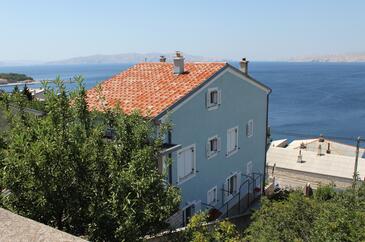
(319, 152)
(300, 157)
(162, 58)
(244, 65)
(178, 63)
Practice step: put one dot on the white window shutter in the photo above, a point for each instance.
(239, 174)
(180, 165)
(247, 130)
(219, 97)
(218, 144)
(233, 140)
(189, 161)
(228, 141)
(249, 168)
(207, 99)
(225, 191)
(207, 147)
(251, 127)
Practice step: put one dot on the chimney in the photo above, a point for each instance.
(162, 58)
(178, 63)
(319, 152)
(244, 66)
(300, 157)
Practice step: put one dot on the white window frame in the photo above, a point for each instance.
(231, 152)
(209, 104)
(250, 128)
(249, 168)
(215, 192)
(226, 189)
(196, 208)
(210, 153)
(191, 175)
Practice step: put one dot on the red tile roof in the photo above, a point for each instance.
(151, 88)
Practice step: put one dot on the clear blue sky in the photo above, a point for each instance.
(261, 30)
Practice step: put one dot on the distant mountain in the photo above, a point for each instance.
(357, 57)
(128, 58)
(20, 62)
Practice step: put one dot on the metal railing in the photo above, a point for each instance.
(249, 191)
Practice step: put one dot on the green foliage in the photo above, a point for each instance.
(15, 90)
(327, 216)
(14, 77)
(62, 171)
(27, 93)
(199, 230)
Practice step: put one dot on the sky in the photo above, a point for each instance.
(47, 30)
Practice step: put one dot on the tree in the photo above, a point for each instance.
(200, 230)
(61, 170)
(327, 216)
(27, 93)
(15, 89)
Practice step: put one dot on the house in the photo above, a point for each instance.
(219, 115)
(14, 227)
(315, 161)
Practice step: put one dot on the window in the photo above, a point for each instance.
(232, 141)
(249, 168)
(213, 98)
(186, 163)
(232, 185)
(189, 210)
(249, 128)
(213, 146)
(212, 196)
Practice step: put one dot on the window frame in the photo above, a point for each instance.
(235, 150)
(229, 196)
(195, 207)
(249, 166)
(250, 128)
(215, 201)
(212, 106)
(210, 154)
(193, 173)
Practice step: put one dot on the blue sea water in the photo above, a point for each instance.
(307, 99)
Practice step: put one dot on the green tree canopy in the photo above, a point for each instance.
(61, 169)
(14, 77)
(327, 216)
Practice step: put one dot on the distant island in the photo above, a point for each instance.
(6, 78)
(128, 58)
(357, 57)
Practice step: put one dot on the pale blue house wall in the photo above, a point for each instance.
(194, 124)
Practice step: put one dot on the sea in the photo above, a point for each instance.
(307, 99)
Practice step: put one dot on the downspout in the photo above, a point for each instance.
(266, 137)
(170, 156)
